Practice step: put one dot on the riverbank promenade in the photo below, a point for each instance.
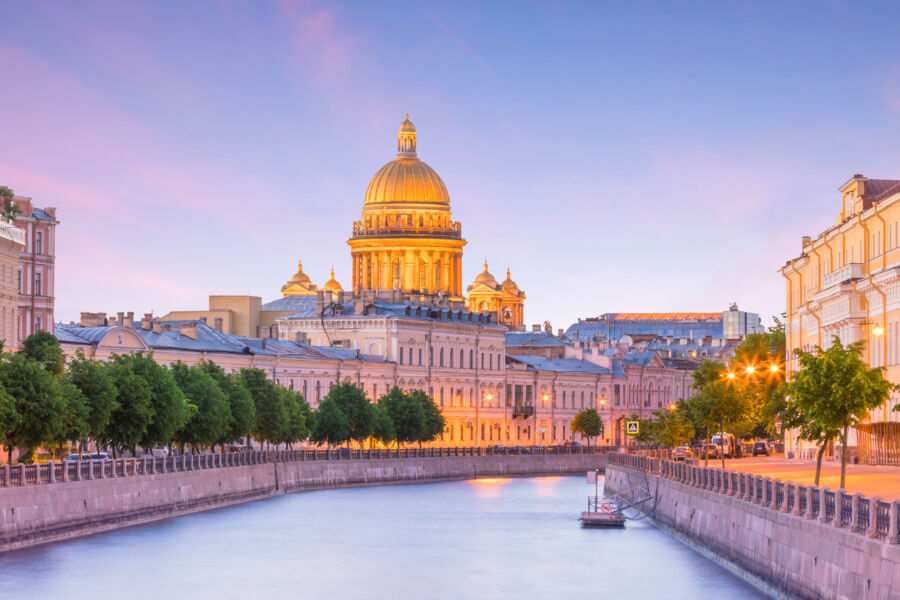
(869, 480)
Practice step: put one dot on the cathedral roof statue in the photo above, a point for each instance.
(406, 179)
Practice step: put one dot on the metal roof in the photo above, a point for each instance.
(533, 338)
(562, 365)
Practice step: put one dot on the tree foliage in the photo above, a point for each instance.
(133, 413)
(671, 428)
(832, 392)
(356, 407)
(168, 405)
(299, 416)
(271, 413)
(210, 416)
(38, 401)
(407, 415)
(96, 383)
(434, 422)
(240, 403)
(588, 423)
(382, 426)
(43, 348)
(9, 207)
(332, 426)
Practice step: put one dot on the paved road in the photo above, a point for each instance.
(867, 479)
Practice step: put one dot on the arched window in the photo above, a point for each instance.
(401, 355)
(462, 356)
(451, 356)
(441, 360)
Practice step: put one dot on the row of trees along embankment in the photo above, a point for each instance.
(132, 401)
(833, 390)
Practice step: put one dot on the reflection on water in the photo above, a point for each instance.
(489, 538)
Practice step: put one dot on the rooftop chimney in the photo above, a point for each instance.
(188, 330)
(156, 326)
(146, 321)
(535, 329)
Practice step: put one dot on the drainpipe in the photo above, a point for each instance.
(875, 285)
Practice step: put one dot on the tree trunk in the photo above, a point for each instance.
(9, 450)
(819, 456)
(844, 455)
(706, 450)
(722, 436)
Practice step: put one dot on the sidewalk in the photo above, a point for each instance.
(870, 480)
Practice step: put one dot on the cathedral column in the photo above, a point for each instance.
(410, 268)
(367, 272)
(432, 287)
(458, 282)
(445, 269)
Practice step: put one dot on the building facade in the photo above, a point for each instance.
(732, 324)
(36, 279)
(12, 240)
(845, 284)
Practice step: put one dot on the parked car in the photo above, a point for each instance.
(761, 448)
(88, 456)
(516, 450)
(711, 451)
(498, 449)
(682, 453)
(159, 452)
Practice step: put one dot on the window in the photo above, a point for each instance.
(441, 360)
(451, 356)
(395, 274)
(471, 359)
(39, 243)
(462, 356)
(420, 357)
(491, 361)
(20, 282)
(482, 360)
(37, 284)
(401, 355)
(37, 324)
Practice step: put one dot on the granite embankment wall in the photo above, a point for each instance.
(781, 541)
(37, 514)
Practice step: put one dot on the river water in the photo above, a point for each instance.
(489, 538)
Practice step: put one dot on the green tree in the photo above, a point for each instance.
(94, 380)
(240, 403)
(210, 416)
(356, 407)
(299, 416)
(38, 401)
(332, 426)
(832, 392)
(671, 428)
(10, 208)
(434, 422)
(73, 424)
(644, 434)
(10, 419)
(168, 405)
(759, 368)
(406, 414)
(43, 347)
(719, 404)
(588, 423)
(382, 426)
(133, 413)
(271, 413)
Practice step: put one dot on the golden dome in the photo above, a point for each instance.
(485, 277)
(406, 178)
(332, 285)
(509, 285)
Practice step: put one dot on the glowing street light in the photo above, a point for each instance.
(773, 368)
(489, 396)
(731, 375)
(546, 397)
(673, 406)
(878, 331)
(750, 370)
(602, 401)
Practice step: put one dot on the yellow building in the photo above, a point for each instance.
(407, 238)
(300, 284)
(846, 284)
(505, 299)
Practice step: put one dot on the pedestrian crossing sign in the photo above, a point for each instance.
(632, 427)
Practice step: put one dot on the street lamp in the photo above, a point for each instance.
(673, 406)
(731, 375)
(750, 369)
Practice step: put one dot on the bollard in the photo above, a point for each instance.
(797, 493)
(838, 503)
(873, 517)
(787, 490)
(22, 480)
(809, 503)
(893, 537)
(823, 514)
(854, 512)
(52, 474)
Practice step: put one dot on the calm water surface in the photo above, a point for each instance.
(491, 538)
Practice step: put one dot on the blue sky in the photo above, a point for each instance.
(616, 156)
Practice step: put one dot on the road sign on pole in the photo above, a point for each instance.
(632, 427)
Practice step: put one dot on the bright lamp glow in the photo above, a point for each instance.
(731, 375)
(773, 368)
(546, 397)
(489, 396)
(878, 331)
(750, 370)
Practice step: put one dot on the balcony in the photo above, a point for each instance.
(523, 410)
(844, 274)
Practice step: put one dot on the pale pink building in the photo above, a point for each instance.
(36, 277)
